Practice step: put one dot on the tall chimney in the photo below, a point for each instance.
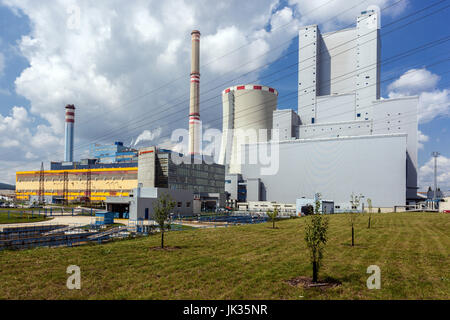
(70, 122)
(194, 106)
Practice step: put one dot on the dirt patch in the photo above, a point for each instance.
(307, 283)
(165, 248)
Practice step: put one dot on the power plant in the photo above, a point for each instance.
(128, 180)
(341, 138)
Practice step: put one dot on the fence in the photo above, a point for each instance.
(53, 235)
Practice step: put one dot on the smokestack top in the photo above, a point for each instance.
(195, 32)
(70, 113)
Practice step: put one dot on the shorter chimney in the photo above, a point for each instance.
(70, 122)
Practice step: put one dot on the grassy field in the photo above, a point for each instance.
(16, 216)
(245, 262)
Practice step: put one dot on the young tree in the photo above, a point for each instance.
(369, 204)
(316, 239)
(273, 215)
(317, 198)
(354, 200)
(162, 209)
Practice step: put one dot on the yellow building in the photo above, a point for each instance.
(104, 182)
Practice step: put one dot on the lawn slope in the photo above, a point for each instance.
(245, 262)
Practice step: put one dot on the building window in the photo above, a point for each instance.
(312, 120)
(179, 204)
(358, 115)
(188, 204)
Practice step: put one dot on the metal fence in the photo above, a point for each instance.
(53, 235)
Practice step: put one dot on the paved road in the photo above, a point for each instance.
(83, 220)
(69, 220)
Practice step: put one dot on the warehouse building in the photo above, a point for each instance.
(344, 138)
(156, 168)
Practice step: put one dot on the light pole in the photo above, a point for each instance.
(435, 154)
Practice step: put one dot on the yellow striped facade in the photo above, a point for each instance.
(104, 182)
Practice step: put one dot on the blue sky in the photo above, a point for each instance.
(111, 66)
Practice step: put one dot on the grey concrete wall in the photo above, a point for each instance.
(335, 129)
(253, 189)
(337, 62)
(146, 167)
(372, 165)
(308, 46)
(231, 185)
(285, 121)
(400, 116)
(150, 197)
(336, 108)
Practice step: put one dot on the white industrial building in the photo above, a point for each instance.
(343, 139)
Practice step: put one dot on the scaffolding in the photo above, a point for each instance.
(87, 199)
(65, 188)
(41, 191)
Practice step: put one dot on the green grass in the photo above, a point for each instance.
(245, 262)
(19, 217)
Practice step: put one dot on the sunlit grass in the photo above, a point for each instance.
(245, 262)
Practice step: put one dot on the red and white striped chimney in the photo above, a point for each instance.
(194, 106)
(69, 127)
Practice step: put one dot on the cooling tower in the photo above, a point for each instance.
(246, 110)
(69, 127)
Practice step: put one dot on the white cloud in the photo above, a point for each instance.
(30, 155)
(332, 14)
(13, 128)
(433, 102)
(415, 81)
(426, 173)
(421, 138)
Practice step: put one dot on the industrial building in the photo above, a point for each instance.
(155, 169)
(246, 110)
(343, 139)
(130, 180)
(194, 184)
(111, 153)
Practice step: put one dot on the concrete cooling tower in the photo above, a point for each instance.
(246, 110)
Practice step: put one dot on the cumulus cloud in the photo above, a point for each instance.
(13, 128)
(422, 138)
(332, 14)
(415, 81)
(433, 102)
(426, 173)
